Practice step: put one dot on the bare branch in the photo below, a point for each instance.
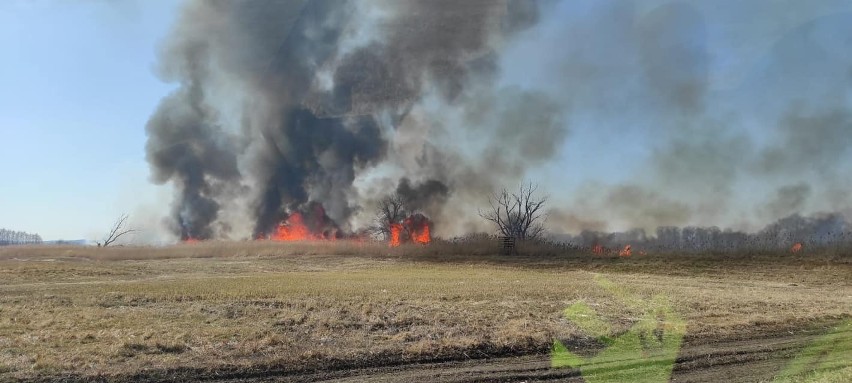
(391, 210)
(118, 229)
(517, 214)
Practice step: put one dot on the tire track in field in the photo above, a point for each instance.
(751, 360)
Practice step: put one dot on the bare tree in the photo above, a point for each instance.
(391, 210)
(119, 228)
(9, 237)
(517, 214)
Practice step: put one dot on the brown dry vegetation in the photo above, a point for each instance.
(214, 308)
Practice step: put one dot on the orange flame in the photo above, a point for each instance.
(598, 249)
(422, 236)
(626, 252)
(418, 229)
(797, 247)
(396, 230)
(293, 229)
(191, 240)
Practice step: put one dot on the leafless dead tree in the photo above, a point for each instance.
(517, 214)
(391, 210)
(119, 228)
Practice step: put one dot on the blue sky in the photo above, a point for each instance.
(78, 83)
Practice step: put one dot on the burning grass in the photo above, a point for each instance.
(264, 305)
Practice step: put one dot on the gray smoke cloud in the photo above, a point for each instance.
(284, 105)
(788, 200)
(819, 230)
(674, 56)
(188, 147)
(685, 114)
(809, 142)
(648, 69)
(698, 148)
(427, 196)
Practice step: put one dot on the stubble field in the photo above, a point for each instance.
(349, 311)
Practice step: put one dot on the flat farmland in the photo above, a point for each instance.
(364, 312)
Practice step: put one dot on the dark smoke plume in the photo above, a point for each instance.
(426, 196)
(188, 147)
(282, 105)
(660, 114)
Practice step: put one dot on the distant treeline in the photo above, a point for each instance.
(815, 231)
(10, 237)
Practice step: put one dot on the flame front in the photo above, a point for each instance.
(395, 231)
(598, 249)
(421, 236)
(626, 252)
(311, 223)
(797, 247)
(418, 229)
(293, 229)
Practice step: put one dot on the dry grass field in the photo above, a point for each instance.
(214, 310)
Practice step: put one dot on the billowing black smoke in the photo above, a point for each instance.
(307, 150)
(679, 114)
(186, 146)
(283, 104)
(427, 196)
